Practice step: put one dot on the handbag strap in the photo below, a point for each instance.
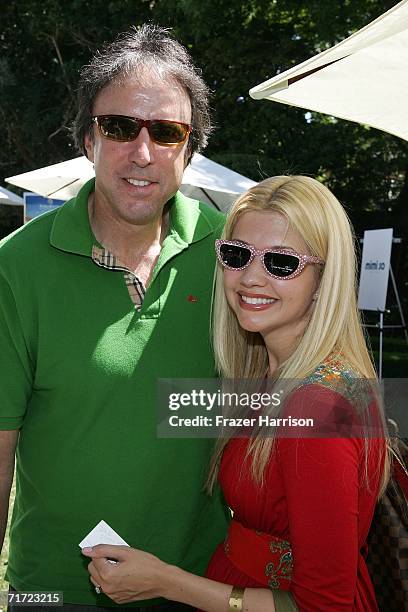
(398, 484)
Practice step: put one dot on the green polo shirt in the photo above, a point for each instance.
(78, 374)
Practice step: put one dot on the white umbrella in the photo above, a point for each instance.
(363, 78)
(203, 179)
(213, 183)
(8, 197)
(60, 181)
(12, 211)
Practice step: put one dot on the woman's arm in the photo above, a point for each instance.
(322, 479)
(139, 575)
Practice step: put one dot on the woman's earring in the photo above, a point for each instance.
(315, 296)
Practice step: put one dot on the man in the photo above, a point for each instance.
(97, 301)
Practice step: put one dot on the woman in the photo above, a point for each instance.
(285, 311)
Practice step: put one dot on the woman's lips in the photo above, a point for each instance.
(255, 302)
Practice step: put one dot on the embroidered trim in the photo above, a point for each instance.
(282, 570)
(336, 374)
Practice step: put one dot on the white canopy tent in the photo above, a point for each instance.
(362, 79)
(203, 179)
(8, 197)
(210, 182)
(12, 212)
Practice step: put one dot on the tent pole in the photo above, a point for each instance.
(211, 199)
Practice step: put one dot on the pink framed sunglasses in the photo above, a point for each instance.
(279, 263)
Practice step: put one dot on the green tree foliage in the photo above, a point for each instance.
(238, 44)
(43, 45)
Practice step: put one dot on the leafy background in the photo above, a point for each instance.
(238, 44)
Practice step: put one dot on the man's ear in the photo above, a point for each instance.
(89, 146)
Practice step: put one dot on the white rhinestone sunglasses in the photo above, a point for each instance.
(279, 263)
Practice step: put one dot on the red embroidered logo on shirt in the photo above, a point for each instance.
(192, 298)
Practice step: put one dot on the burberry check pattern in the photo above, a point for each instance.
(103, 258)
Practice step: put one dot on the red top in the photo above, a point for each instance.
(315, 496)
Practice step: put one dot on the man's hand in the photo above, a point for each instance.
(8, 443)
(137, 575)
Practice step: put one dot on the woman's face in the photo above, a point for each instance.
(289, 303)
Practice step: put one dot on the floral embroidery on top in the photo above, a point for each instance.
(282, 568)
(336, 374)
(359, 418)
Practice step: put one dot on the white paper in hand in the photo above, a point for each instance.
(102, 534)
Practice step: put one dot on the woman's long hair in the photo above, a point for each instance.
(334, 327)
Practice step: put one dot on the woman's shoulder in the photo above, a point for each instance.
(339, 398)
(336, 374)
(339, 402)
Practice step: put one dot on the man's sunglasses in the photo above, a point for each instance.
(278, 263)
(125, 129)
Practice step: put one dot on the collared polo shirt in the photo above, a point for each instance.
(78, 376)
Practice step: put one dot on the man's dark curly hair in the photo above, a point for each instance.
(143, 50)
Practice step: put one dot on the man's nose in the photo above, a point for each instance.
(254, 274)
(142, 149)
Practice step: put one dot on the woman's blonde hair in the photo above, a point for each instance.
(334, 327)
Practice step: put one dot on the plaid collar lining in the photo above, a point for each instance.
(103, 258)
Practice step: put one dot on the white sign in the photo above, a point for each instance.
(375, 267)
